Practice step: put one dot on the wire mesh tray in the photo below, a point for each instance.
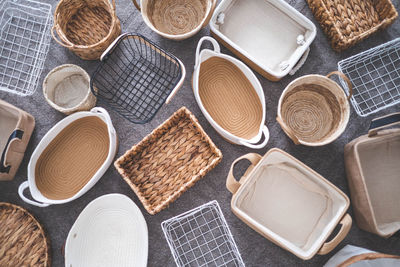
(136, 77)
(375, 75)
(201, 237)
(24, 43)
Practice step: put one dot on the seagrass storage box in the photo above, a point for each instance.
(289, 204)
(348, 22)
(373, 171)
(270, 36)
(170, 160)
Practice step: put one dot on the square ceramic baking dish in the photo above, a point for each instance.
(268, 35)
(290, 204)
(372, 167)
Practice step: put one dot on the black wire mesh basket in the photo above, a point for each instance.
(136, 77)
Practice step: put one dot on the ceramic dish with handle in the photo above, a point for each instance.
(110, 231)
(230, 97)
(70, 158)
(289, 204)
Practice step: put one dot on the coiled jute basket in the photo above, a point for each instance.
(22, 239)
(86, 27)
(314, 110)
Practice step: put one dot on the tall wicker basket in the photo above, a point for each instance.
(347, 23)
(86, 28)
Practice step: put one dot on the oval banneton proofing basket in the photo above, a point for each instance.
(185, 17)
(289, 203)
(110, 231)
(314, 110)
(78, 149)
(230, 97)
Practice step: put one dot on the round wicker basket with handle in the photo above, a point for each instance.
(314, 110)
(86, 28)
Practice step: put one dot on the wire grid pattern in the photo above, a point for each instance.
(201, 237)
(25, 39)
(136, 77)
(375, 75)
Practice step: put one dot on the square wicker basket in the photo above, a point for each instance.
(168, 161)
(347, 23)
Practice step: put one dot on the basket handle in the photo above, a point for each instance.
(53, 29)
(346, 79)
(106, 116)
(15, 136)
(383, 122)
(210, 14)
(288, 131)
(111, 46)
(344, 230)
(180, 83)
(259, 146)
(21, 190)
(135, 3)
(231, 183)
(215, 44)
(114, 6)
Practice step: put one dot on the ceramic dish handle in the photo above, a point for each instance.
(180, 83)
(259, 146)
(346, 79)
(344, 230)
(383, 122)
(106, 116)
(231, 183)
(16, 135)
(21, 190)
(215, 44)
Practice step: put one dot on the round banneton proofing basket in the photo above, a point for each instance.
(86, 28)
(67, 89)
(313, 110)
(176, 19)
(23, 241)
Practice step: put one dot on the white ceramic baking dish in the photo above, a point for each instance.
(289, 203)
(228, 102)
(268, 35)
(110, 231)
(40, 199)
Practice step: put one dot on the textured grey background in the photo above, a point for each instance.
(255, 250)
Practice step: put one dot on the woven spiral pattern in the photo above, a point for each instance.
(349, 22)
(311, 112)
(229, 97)
(86, 24)
(72, 158)
(22, 239)
(177, 16)
(168, 161)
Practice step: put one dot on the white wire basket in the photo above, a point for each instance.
(24, 43)
(201, 237)
(375, 75)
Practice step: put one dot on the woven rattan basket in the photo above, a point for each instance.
(313, 110)
(348, 22)
(86, 28)
(168, 161)
(22, 239)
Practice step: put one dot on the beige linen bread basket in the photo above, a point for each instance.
(85, 27)
(372, 167)
(314, 110)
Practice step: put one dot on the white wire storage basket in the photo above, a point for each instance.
(375, 75)
(201, 237)
(24, 43)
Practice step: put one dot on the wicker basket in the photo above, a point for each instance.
(313, 110)
(22, 239)
(86, 28)
(168, 161)
(348, 22)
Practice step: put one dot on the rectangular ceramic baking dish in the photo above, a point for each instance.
(290, 204)
(268, 35)
(372, 167)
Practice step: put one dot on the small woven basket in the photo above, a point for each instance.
(313, 110)
(22, 239)
(168, 161)
(86, 28)
(347, 23)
